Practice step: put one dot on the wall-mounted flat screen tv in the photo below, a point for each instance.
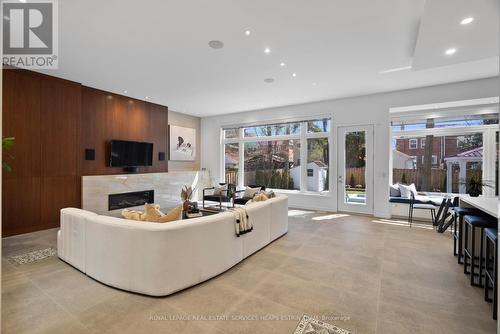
(130, 154)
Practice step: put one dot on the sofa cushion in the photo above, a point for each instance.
(406, 191)
(220, 190)
(153, 213)
(250, 192)
(172, 215)
(394, 190)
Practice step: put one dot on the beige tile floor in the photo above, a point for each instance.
(364, 274)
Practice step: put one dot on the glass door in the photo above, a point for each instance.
(355, 172)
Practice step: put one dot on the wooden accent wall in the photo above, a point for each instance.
(53, 122)
(107, 116)
(43, 114)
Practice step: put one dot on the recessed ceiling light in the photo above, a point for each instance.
(282, 64)
(467, 20)
(125, 91)
(450, 52)
(269, 80)
(315, 84)
(294, 75)
(267, 50)
(23, 1)
(247, 32)
(146, 98)
(216, 44)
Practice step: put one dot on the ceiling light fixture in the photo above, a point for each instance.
(216, 44)
(267, 50)
(125, 91)
(147, 98)
(294, 75)
(467, 20)
(450, 52)
(247, 32)
(282, 64)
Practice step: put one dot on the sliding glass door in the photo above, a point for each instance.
(355, 172)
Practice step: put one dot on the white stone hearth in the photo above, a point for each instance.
(167, 188)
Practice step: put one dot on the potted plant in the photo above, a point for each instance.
(7, 144)
(474, 184)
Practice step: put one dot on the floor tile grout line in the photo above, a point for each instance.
(64, 309)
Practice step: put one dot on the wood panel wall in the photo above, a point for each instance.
(43, 114)
(107, 116)
(53, 121)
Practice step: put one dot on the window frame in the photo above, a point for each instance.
(302, 136)
(489, 146)
(413, 143)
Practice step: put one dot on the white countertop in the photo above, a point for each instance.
(490, 205)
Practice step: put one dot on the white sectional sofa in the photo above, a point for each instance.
(160, 259)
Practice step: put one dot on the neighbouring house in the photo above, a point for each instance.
(317, 172)
(402, 161)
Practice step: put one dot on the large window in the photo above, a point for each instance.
(270, 155)
(451, 152)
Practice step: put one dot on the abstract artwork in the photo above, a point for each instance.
(182, 143)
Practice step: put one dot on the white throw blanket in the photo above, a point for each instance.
(242, 222)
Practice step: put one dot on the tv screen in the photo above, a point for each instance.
(131, 154)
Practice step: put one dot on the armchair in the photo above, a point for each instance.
(225, 196)
(238, 199)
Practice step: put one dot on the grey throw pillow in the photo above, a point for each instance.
(220, 191)
(394, 190)
(250, 192)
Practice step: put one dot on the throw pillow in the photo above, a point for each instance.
(394, 190)
(407, 190)
(153, 213)
(269, 194)
(413, 189)
(172, 215)
(260, 198)
(220, 190)
(133, 215)
(250, 192)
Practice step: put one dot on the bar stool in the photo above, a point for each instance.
(474, 222)
(458, 228)
(491, 267)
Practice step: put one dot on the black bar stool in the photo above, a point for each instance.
(491, 267)
(474, 222)
(458, 228)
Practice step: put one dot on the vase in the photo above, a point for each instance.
(186, 205)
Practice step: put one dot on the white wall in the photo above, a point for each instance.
(368, 109)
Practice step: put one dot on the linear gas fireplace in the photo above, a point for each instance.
(127, 200)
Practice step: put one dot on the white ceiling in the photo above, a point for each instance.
(158, 48)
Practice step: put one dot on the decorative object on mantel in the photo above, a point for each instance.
(475, 184)
(182, 143)
(186, 194)
(309, 325)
